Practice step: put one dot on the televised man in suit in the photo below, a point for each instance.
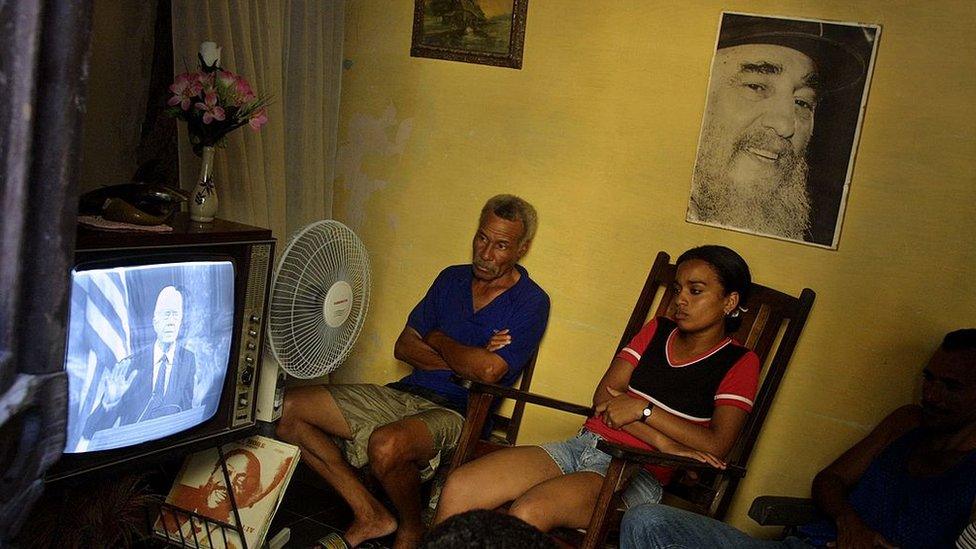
(153, 382)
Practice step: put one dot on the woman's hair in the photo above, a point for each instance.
(733, 274)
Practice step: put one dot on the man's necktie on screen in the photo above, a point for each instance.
(160, 385)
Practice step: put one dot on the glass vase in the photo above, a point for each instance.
(203, 202)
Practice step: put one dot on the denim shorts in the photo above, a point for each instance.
(579, 454)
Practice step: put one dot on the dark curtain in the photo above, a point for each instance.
(43, 81)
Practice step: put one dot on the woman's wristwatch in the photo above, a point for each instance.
(647, 411)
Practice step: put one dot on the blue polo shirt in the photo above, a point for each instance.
(448, 306)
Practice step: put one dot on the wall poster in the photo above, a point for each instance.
(785, 103)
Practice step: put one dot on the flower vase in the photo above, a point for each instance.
(203, 202)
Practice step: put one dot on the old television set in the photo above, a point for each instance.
(165, 332)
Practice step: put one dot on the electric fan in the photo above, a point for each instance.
(319, 298)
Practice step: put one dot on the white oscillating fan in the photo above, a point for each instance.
(319, 298)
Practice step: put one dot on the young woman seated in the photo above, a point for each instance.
(681, 385)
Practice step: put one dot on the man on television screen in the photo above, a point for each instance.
(153, 382)
(481, 321)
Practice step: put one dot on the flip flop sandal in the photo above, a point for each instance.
(333, 540)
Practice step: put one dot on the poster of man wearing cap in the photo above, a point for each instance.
(785, 102)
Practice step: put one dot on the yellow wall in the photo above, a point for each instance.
(599, 131)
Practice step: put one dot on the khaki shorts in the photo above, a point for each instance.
(366, 407)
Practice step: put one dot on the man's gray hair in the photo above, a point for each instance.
(512, 208)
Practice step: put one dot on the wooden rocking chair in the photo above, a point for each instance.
(771, 328)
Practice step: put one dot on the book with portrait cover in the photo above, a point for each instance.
(259, 469)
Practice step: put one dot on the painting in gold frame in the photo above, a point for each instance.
(489, 32)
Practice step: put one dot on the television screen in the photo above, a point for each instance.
(148, 350)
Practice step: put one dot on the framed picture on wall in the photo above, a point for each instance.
(489, 32)
(785, 103)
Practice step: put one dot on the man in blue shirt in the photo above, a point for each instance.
(480, 321)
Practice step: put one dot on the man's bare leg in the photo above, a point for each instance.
(397, 452)
(309, 415)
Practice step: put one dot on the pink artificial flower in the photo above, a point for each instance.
(244, 91)
(258, 119)
(210, 109)
(227, 79)
(239, 95)
(185, 89)
(205, 82)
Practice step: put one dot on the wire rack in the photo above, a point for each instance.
(184, 528)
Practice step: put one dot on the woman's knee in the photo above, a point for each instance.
(459, 493)
(534, 510)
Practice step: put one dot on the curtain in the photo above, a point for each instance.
(280, 177)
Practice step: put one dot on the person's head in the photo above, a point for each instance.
(949, 383)
(505, 230)
(712, 286)
(486, 529)
(752, 169)
(244, 471)
(168, 314)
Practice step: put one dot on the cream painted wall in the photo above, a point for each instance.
(599, 131)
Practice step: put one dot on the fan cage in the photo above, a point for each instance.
(317, 257)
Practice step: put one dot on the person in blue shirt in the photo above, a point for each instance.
(480, 321)
(910, 483)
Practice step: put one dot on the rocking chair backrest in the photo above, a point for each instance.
(505, 428)
(772, 324)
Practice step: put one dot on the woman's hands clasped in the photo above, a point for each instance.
(620, 409)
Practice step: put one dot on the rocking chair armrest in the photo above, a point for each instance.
(651, 457)
(783, 511)
(474, 386)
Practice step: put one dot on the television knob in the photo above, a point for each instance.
(252, 333)
(249, 359)
(251, 346)
(255, 319)
(247, 376)
(242, 402)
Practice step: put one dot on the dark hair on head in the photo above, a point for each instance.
(512, 208)
(733, 274)
(960, 340)
(486, 529)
